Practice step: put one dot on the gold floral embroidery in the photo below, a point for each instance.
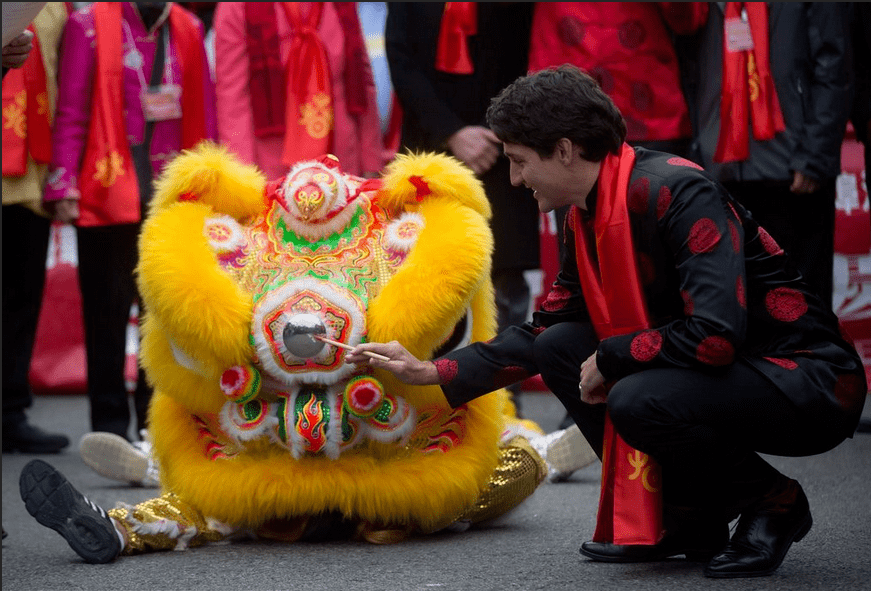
(317, 116)
(753, 78)
(108, 169)
(641, 463)
(14, 117)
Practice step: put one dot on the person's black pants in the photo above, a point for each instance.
(25, 245)
(704, 430)
(108, 256)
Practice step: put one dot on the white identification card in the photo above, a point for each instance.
(162, 103)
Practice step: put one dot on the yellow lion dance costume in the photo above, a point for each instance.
(259, 427)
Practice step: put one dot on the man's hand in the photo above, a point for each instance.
(591, 382)
(66, 211)
(803, 184)
(16, 52)
(405, 366)
(477, 147)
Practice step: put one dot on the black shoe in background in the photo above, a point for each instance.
(55, 503)
(26, 438)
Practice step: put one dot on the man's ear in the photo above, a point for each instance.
(564, 150)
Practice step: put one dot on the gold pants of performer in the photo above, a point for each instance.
(169, 523)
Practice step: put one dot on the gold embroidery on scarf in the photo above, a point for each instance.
(13, 115)
(640, 462)
(317, 116)
(753, 78)
(108, 169)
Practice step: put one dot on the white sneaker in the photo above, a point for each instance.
(114, 457)
(565, 451)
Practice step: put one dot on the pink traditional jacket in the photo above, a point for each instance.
(75, 85)
(357, 142)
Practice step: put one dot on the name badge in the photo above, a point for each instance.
(162, 103)
(738, 36)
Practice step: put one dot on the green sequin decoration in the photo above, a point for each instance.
(252, 410)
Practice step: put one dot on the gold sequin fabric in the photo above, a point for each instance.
(165, 523)
(519, 472)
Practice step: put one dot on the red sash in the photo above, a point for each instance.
(107, 179)
(309, 114)
(459, 20)
(748, 93)
(26, 116)
(630, 503)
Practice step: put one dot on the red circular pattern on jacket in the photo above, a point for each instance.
(688, 304)
(785, 304)
(715, 351)
(646, 345)
(768, 243)
(571, 30)
(663, 201)
(447, 369)
(556, 299)
(678, 161)
(704, 236)
(603, 77)
(740, 292)
(631, 34)
(850, 391)
(636, 130)
(641, 96)
(538, 330)
(509, 375)
(736, 237)
(639, 192)
(784, 363)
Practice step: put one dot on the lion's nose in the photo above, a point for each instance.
(298, 335)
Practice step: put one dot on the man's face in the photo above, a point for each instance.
(545, 176)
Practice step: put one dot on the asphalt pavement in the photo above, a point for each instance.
(535, 547)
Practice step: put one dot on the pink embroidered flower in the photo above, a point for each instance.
(646, 345)
(663, 201)
(784, 363)
(678, 161)
(786, 304)
(704, 236)
(638, 196)
(447, 369)
(768, 243)
(715, 351)
(556, 299)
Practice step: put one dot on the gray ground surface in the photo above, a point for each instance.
(534, 547)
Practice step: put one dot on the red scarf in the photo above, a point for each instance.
(748, 94)
(630, 505)
(107, 180)
(26, 116)
(460, 19)
(309, 110)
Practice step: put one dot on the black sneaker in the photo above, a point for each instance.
(53, 501)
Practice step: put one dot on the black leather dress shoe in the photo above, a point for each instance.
(698, 546)
(764, 535)
(29, 439)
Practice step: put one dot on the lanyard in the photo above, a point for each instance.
(133, 57)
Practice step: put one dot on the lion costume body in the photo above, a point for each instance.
(257, 426)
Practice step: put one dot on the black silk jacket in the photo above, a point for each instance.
(718, 288)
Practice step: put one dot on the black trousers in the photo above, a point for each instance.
(25, 245)
(706, 431)
(108, 256)
(803, 225)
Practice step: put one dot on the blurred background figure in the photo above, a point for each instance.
(134, 90)
(29, 98)
(294, 82)
(769, 86)
(627, 47)
(447, 60)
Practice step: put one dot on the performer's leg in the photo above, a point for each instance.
(559, 352)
